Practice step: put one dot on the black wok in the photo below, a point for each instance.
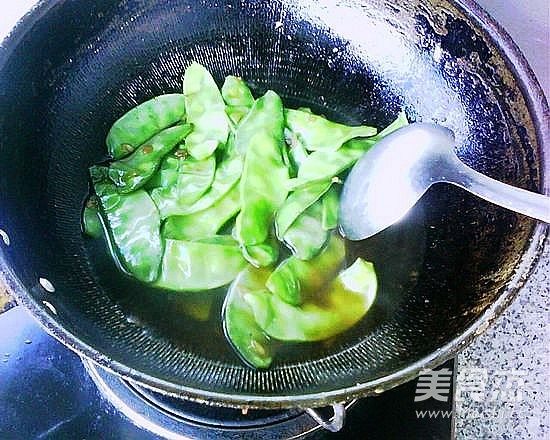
(71, 68)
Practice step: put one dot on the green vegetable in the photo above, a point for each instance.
(207, 162)
(296, 151)
(134, 171)
(193, 179)
(264, 175)
(241, 328)
(295, 281)
(318, 133)
(306, 236)
(321, 166)
(296, 203)
(238, 98)
(205, 110)
(331, 205)
(324, 165)
(225, 179)
(204, 223)
(91, 218)
(134, 224)
(399, 122)
(345, 302)
(143, 122)
(193, 266)
(262, 255)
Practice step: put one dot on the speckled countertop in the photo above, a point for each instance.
(505, 372)
(513, 400)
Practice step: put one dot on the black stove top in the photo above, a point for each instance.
(48, 392)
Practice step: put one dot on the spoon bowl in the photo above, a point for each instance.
(396, 172)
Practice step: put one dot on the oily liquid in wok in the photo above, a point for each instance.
(397, 254)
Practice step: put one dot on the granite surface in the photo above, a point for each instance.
(507, 369)
(506, 372)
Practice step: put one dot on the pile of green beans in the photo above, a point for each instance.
(212, 187)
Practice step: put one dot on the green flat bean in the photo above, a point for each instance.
(347, 300)
(295, 281)
(194, 177)
(134, 171)
(167, 174)
(365, 144)
(205, 110)
(226, 177)
(323, 165)
(296, 151)
(91, 220)
(203, 223)
(241, 329)
(262, 255)
(238, 98)
(306, 236)
(134, 225)
(331, 205)
(143, 122)
(296, 203)
(318, 133)
(399, 122)
(195, 266)
(264, 173)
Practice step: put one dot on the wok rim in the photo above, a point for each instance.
(537, 105)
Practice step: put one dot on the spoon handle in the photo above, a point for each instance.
(519, 200)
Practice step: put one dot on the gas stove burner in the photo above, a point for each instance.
(175, 418)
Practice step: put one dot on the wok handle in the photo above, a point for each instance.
(516, 199)
(334, 423)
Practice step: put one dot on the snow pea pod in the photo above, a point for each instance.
(318, 133)
(167, 174)
(264, 254)
(203, 223)
(205, 110)
(398, 123)
(134, 171)
(226, 177)
(346, 301)
(321, 165)
(91, 221)
(240, 326)
(238, 98)
(195, 266)
(134, 225)
(331, 204)
(306, 236)
(143, 122)
(365, 144)
(295, 281)
(296, 151)
(296, 203)
(193, 179)
(324, 165)
(264, 175)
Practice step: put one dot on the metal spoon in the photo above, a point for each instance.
(393, 175)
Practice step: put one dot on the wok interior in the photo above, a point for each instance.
(80, 66)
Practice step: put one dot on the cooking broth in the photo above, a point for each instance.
(193, 321)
